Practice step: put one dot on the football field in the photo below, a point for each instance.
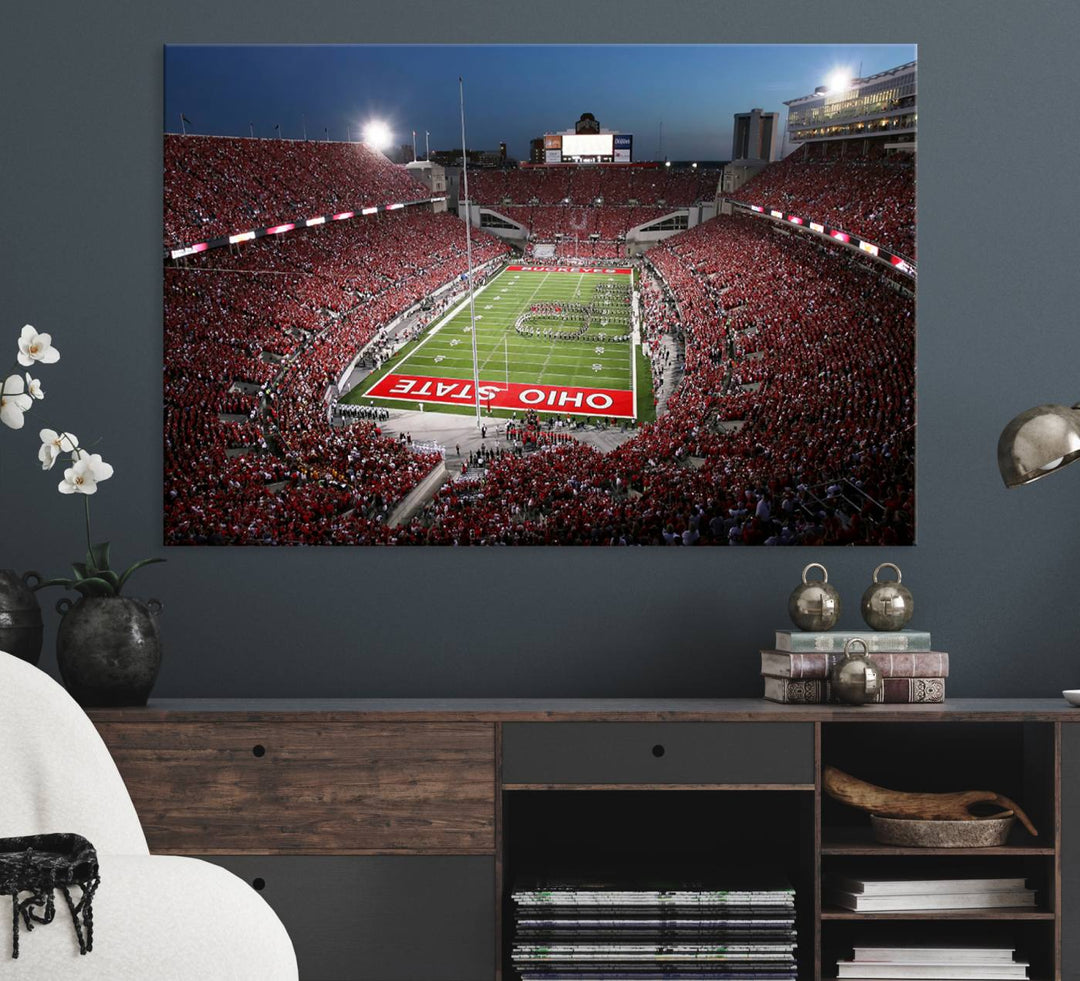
(553, 339)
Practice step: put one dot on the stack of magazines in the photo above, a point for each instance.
(939, 963)
(601, 931)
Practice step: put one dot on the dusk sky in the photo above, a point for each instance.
(512, 93)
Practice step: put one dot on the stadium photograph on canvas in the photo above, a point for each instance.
(539, 295)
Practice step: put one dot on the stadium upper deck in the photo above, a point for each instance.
(616, 185)
(217, 185)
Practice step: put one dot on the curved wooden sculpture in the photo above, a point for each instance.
(901, 804)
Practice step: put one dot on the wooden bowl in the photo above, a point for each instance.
(912, 832)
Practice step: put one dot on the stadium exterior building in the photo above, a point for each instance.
(879, 105)
(870, 118)
(433, 177)
(755, 143)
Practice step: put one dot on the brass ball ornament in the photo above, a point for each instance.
(855, 679)
(814, 605)
(887, 605)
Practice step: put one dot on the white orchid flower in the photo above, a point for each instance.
(14, 401)
(36, 347)
(33, 387)
(53, 444)
(85, 474)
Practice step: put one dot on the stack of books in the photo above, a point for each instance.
(938, 963)
(581, 931)
(796, 671)
(899, 893)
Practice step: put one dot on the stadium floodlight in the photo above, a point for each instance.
(694, 165)
(377, 135)
(838, 80)
(667, 163)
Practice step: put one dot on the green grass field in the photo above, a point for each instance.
(593, 361)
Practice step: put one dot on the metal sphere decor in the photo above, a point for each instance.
(855, 679)
(814, 605)
(887, 605)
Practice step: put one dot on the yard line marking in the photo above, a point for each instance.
(442, 323)
(547, 276)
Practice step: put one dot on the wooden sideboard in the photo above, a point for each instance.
(387, 832)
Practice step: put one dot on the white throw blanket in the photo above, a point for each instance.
(156, 918)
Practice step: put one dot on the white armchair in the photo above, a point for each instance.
(156, 918)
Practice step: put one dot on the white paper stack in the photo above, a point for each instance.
(933, 964)
(903, 894)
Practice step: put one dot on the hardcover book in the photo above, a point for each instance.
(895, 691)
(816, 664)
(833, 641)
(935, 955)
(920, 887)
(967, 971)
(976, 900)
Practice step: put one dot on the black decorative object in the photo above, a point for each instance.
(40, 864)
(20, 616)
(108, 649)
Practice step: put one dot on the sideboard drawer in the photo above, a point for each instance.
(230, 788)
(699, 753)
(381, 917)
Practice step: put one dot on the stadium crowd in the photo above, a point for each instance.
(871, 196)
(612, 185)
(256, 335)
(793, 424)
(218, 185)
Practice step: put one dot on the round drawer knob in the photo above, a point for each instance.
(258, 750)
(258, 883)
(658, 751)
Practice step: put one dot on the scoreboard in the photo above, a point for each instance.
(588, 148)
(577, 145)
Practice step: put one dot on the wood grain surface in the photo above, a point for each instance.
(215, 787)
(282, 710)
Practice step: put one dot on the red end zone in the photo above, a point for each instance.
(496, 395)
(570, 269)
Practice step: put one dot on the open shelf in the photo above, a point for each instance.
(741, 836)
(860, 841)
(710, 828)
(1016, 759)
(1002, 913)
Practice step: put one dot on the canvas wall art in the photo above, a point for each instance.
(540, 295)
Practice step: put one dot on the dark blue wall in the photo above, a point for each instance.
(995, 575)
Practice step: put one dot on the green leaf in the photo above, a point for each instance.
(94, 587)
(66, 583)
(110, 577)
(97, 559)
(128, 573)
(79, 568)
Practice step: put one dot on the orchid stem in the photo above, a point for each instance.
(89, 547)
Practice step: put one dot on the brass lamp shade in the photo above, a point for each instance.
(1037, 442)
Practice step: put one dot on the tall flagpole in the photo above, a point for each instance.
(427, 144)
(468, 251)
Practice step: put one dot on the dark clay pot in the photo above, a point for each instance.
(20, 616)
(108, 649)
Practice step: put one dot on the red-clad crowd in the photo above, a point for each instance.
(612, 185)
(219, 185)
(871, 196)
(794, 423)
(256, 335)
